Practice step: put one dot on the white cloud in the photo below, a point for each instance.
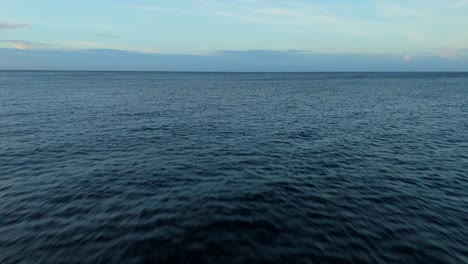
(268, 13)
(263, 12)
(413, 35)
(461, 3)
(26, 45)
(106, 35)
(395, 10)
(394, 26)
(168, 7)
(451, 53)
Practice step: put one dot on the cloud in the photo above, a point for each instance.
(292, 14)
(107, 36)
(451, 53)
(262, 12)
(395, 10)
(26, 45)
(63, 46)
(228, 61)
(408, 58)
(167, 7)
(461, 3)
(11, 26)
(413, 35)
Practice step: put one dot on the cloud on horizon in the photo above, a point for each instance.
(26, 45)
(11, 26)
(452, 53)
(228, 60)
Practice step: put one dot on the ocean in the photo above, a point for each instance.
(162, 167)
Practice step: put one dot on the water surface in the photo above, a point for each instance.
(115, 167)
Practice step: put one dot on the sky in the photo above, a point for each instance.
(234, 35)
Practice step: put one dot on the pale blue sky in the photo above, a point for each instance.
(401, 30)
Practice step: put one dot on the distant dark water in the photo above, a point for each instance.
(233, 168)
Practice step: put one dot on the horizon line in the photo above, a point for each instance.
(175, 71)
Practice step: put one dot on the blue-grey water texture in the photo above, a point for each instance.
(122, 167)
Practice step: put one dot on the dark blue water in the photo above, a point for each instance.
(233, 168)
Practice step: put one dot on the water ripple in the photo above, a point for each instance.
(237, 168)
